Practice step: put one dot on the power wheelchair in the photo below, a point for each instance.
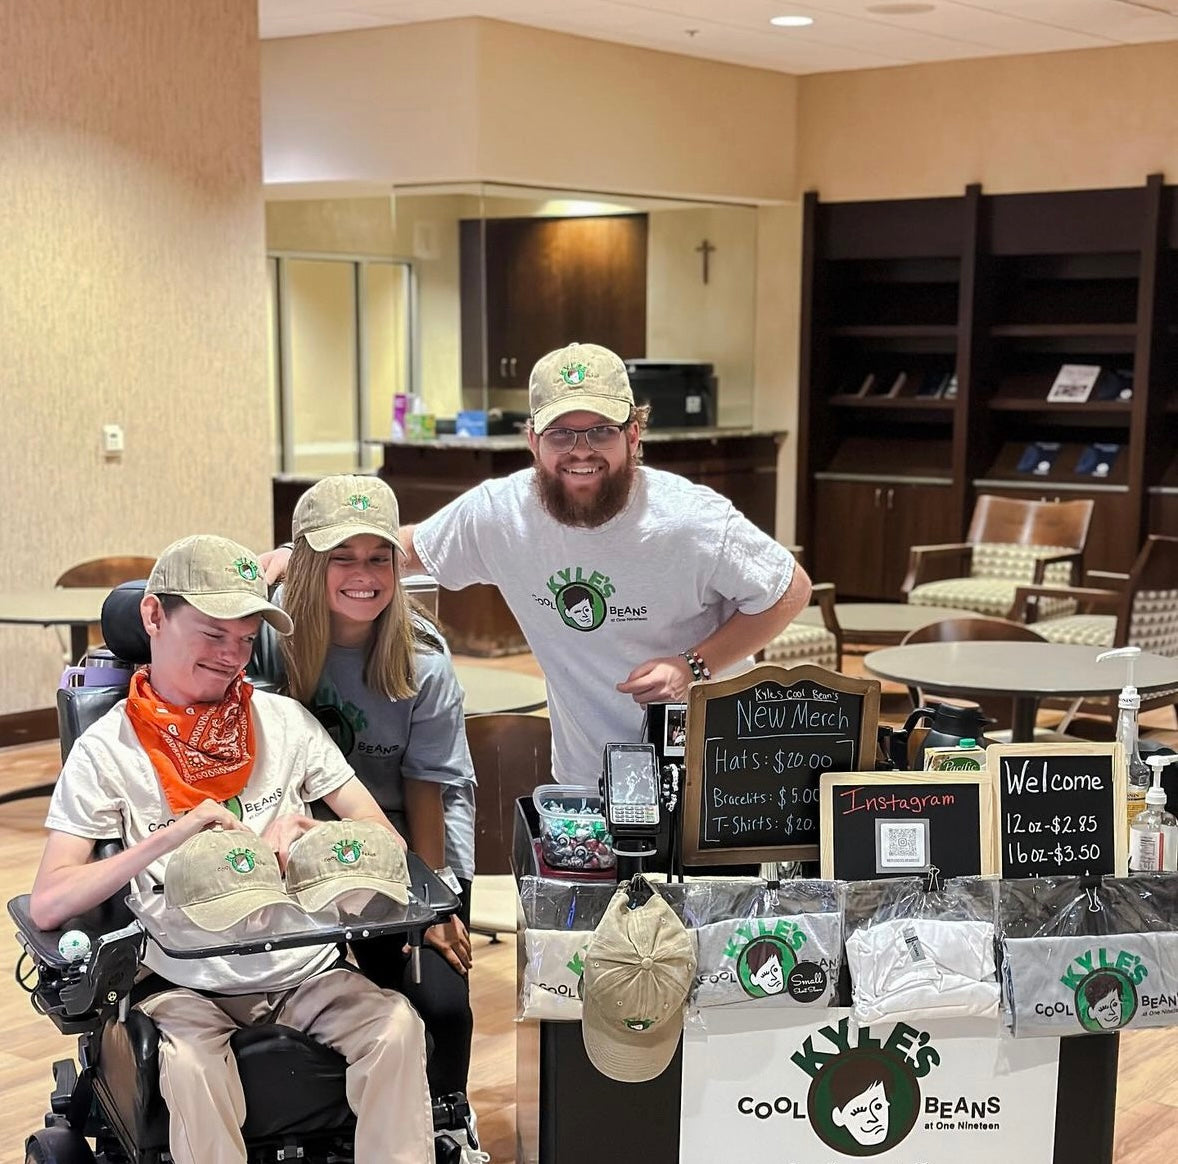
(106, 1107)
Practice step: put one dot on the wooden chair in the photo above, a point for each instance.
(109, 571)
(1138, 609)
(956, 630)
(1010, 542)
(820, 645)
(512, 753)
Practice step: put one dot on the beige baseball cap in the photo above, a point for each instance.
(339, 856)
(221, 876)
(219, 577)
(338, 508)
(579, 377)
(639, 969)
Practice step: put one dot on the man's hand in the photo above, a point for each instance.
(452, 941)
(273, 565)
(206, 815)
(658, 681)
(283, 831)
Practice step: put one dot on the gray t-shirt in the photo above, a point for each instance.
(658, 578)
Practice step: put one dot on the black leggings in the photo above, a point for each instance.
(442, 998)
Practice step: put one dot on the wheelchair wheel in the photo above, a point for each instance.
(57, 1146)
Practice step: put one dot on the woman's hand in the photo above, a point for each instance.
(452, 941)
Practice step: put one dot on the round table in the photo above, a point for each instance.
(1026, 672)
(77, 607)
(882, 623)
(489, 689)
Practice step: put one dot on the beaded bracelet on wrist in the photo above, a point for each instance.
(699, 669)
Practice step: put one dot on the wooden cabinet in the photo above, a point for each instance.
(866, 529)
(529, 285)
(932, 332)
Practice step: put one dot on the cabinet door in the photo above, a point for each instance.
(914, 515)
(848, 537)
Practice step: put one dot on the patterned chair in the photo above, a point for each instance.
(820, 645)
(1010, 542)
(1143, 614)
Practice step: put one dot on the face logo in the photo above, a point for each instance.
(763, 966)
(360, 501)
(247, 568)
(581, 606)
(1105, 1000)
(574, 374)
(346, 852)
(864, 1102)
(240, 860)
(637, 1024)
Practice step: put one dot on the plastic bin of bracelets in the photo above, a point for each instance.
(917, 951)
(574, 837)
(1089, 955)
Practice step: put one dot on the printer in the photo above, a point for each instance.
(681, 393)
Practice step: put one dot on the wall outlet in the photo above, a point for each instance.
(112, 440)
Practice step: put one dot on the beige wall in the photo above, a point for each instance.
(1098, 117)
(133, 290)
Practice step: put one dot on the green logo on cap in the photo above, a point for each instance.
(639, 1024)
(240, 860)
(574, 374)
(247, 568)
(359, 501)
(347, 852)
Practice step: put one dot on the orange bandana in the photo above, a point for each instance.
(203, 752)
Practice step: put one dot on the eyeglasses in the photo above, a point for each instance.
(600, 438)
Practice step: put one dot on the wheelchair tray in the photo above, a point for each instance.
(359, 914)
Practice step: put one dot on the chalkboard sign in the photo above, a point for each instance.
(1061, 809)
(896, 824)
(757, 744)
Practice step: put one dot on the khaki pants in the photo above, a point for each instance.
(376, 1030)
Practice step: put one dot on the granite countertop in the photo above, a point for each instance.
(651, 436)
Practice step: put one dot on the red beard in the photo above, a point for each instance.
(609, 500)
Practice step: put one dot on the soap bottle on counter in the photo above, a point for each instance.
(1153, 834)
(1129, 705)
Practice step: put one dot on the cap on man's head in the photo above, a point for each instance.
(218, 577)
(579, 378)
(220, 876)
(639, 968)
(339, 856)
(341, 507)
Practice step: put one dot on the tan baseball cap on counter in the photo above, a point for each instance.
(217, 576)
(220, 876)
(576, 378)
(339, 856)
(639, 968)
(341, 507)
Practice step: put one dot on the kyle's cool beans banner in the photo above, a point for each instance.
(820, 1092)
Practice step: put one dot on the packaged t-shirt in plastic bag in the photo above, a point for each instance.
(777, 946)
(1090, 956)
(918, 955)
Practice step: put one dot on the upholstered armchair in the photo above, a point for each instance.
(806, 643)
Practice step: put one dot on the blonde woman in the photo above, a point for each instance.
(376, 673)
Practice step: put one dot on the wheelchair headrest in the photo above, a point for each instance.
(122, 626)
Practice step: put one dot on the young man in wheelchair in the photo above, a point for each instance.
(192, 737)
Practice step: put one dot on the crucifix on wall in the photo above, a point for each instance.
(705, 249)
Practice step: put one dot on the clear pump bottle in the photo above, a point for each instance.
(1129, 705)
(1153, 834)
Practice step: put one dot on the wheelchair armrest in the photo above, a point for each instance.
(78, 996)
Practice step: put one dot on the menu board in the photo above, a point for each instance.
(757, 744)
(898, 824)
(1061, 809)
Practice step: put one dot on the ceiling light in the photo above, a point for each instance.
(791, 21)
(901, 9)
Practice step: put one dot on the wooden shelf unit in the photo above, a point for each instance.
(999, 290)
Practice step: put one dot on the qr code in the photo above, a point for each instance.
(901, 845)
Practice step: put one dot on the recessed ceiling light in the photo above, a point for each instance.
(901, 9)
(791, 21)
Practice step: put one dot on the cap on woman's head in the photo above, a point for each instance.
(344, 506)
(219, 577)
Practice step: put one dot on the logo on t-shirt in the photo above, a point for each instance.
(1104, 984)
(341, 719)
(581, 598)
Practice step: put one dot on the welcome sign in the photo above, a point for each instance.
(784, 1090)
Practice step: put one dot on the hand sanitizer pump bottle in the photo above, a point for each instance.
(1153, 835)
(1129, 704)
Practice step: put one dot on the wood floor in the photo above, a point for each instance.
(1147, 1102)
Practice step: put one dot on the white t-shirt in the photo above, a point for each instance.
(658, 578)
(108, 789)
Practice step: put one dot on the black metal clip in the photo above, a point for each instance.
(933, 884)
(1090, 883)
(638, 892)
